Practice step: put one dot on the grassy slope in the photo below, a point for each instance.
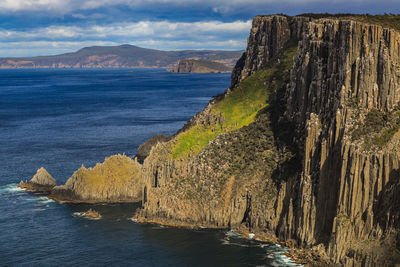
(239, 108)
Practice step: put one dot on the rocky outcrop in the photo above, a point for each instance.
(92, 214)
(41, 181)
(144, 149)
(310, 181)
(268, 36)
(115, 180)
(200, 66)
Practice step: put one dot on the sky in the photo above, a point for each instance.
(49, 27)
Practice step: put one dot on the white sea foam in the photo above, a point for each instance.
(44, 200)
(232, 233)
(276, 254)
(10, 188)
(82, 214)
(35, 210)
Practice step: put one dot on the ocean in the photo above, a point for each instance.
(61, 119)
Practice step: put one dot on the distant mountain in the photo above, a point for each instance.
(123, 56)
(200, 66)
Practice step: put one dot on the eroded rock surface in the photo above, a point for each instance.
(117, 179)
(41, 181)
(144, 149)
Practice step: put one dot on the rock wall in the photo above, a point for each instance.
(268, 36)
(339, 62)
(314, 185)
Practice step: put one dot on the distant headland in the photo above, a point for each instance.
(122, 56)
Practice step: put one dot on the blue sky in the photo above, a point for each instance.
(47, 27)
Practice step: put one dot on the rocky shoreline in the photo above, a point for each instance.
(300, 256)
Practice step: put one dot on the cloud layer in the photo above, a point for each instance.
(65, 6)
(153, 34)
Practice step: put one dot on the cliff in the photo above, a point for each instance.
(316, 164)
(303, 147)
(200, 66)
(123, 56)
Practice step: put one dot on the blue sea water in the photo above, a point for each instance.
(61, 119)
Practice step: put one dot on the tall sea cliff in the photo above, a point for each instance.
(303, 147)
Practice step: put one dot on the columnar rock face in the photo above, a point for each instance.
(268, 36)
(41, 181)
(344, 69)
(115, 180)
(306, 169)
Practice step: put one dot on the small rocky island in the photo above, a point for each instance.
(91, 213)
(200, 66)
(41, 181)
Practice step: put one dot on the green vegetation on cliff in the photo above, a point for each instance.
(377, 129)
(387, 20)
(117, 170)
(239, 108)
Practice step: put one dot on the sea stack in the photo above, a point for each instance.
(41, 181)
(200, 66)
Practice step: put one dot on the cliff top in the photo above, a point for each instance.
(386, 20)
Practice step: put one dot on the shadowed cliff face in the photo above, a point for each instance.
(343, 70)
(297, 172)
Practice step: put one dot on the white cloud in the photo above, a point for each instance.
(220, 6)
(164, 35)
(142, 29)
